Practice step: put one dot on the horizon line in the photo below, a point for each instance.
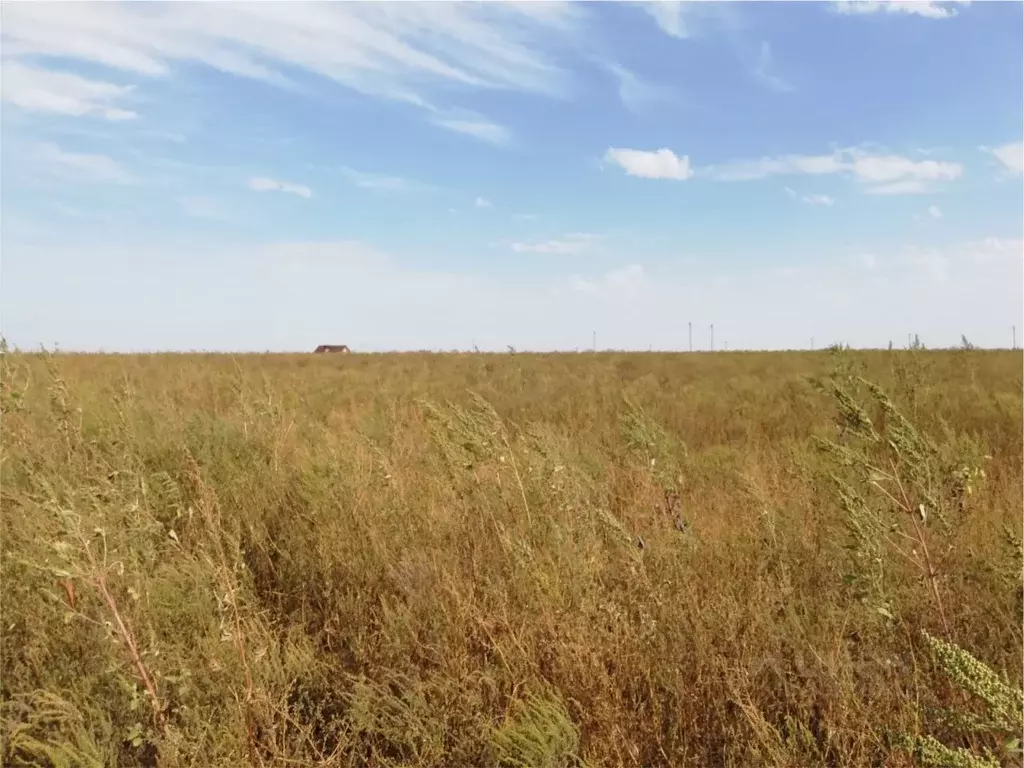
(508, 352)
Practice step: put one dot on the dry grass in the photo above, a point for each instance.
(517, 560)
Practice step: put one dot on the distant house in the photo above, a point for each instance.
(331, 348)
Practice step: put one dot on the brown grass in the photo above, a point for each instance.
(454, 560)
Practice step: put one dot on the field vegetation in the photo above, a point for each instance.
(731, 559)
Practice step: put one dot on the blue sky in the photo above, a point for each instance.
(405, 175)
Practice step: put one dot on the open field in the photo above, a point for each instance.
(515, 560)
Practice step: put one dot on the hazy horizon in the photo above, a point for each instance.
(505, 350)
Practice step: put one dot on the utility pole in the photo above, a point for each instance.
(712, 337)
(595, 340)
(690, 328)
(1015, 337)
(812, 343)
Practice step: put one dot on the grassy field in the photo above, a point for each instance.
(512, 560)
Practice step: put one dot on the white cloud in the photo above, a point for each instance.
(763, 71)
(660, 164)
(908, 187)
(83, 166)
(669, 16)
(689, 18)
(477, 128)
(404, 52)
(881, 174)
(929, 8)
(1011, 156)
(789, 165)
(482, 203)
(934, 211)
(825, 200)
(637, 94)
(820, 200)
(379, 50)
(41, 90)
(263, 184)
(383, 183)
(573, 244)
(890, 168)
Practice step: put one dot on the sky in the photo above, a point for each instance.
(408, 175)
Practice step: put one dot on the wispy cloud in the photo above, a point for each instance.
(40, 90)
(689, 18)
(907, 187)
(669, 17)
(880, 174)
(764, 71)
(931, 9)
(481, 202)
(264, 184)
(1010, 155)
(403, 52)
(638, 94)
(762, 168)
(83, 166)
(476, 127)
(382, 182)
(659, 164)
(825, 200)
(379, 50)
(820, 200)
(573, 244)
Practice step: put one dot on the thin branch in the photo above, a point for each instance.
(932, 573)
(100, 582)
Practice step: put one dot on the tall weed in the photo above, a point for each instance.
(438, 560)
